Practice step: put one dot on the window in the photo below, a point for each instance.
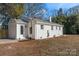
(30, 30)
(51, 27)
(59, 27)
(47, 33)
(21, 29)
(56, 27)
(42, 27)
(25, 26)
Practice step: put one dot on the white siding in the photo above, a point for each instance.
(18, 32)
(12, 30)
(37, 32)
(42, 33)
(15, 30)
(31, 24)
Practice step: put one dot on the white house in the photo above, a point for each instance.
(34, 29)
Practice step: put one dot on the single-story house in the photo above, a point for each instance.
(34, 28)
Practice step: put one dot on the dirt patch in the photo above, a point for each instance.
(66, 45)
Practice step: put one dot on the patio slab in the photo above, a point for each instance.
(4, 41)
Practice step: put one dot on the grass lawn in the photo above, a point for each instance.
(67, 45)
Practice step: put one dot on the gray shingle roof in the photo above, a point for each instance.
(37, 20)
(19, 21)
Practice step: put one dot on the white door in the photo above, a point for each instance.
(21, 32)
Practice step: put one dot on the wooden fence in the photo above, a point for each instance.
(3, 33)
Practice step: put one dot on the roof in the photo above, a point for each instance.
(37, 21)
(46, 22)
(17, 21)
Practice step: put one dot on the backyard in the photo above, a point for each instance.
(65, 45)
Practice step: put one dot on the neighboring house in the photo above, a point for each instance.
(34, 28)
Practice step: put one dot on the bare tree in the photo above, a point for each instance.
(35, 10)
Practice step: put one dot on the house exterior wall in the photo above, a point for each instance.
(20, 36)
(37, 32)
(31, 24)
(42, 33)
(12, 30)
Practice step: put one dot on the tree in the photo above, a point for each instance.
(16, 10)
(69, 22)
(60, 12)
(35, 10)
(12, 10)
(70, 25)
(60, 18)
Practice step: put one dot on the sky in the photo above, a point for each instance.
(60, 5)
(52, 6)
(65, 6)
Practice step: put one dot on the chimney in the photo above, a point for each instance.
(50, 19)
